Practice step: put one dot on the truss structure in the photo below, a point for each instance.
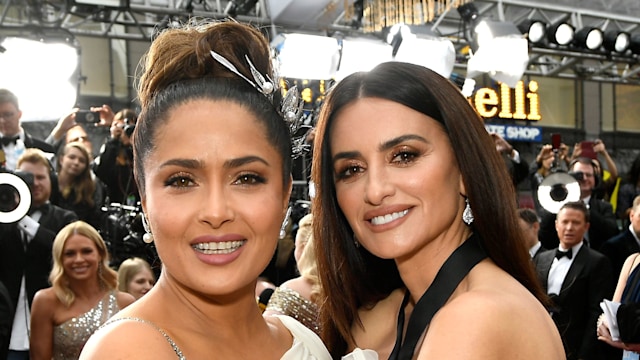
(139, 19)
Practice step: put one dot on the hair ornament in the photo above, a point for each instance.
(261, 84)
(291, 108)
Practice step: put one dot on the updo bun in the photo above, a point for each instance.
(184, 53)
(179, 68)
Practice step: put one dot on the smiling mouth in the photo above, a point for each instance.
(384, 219)
(218, 248)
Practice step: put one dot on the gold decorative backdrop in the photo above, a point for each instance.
(379, 14)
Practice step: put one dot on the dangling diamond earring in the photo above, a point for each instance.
(355, 241)
(285, 222)
(467, 214)
(148, 236)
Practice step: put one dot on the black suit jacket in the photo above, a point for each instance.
(34, 263)
(603, 225)
(6, 317)
(31, 142)
(618, 249)
(577, 306)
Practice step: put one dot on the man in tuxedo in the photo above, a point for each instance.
(25, 249)
(619, 247)
(530, 225)
(13, 139)
(603, 225)
(577, 278)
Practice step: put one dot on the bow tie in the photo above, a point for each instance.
(9, 140)
(560, 254)
(42, 208)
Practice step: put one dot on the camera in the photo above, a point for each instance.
(15, 195)
(87, 117)
(578, 175)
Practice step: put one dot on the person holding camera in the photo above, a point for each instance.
(603, 224)
(114, 164)
(25, 248)
(70, 129)
(13, 139)
(607, 178)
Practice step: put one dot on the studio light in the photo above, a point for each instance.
(534, 30)
(396, 35)
(561, 33)
(590, 38)
(634, 44)
(42, 75)
(417, 44)
(502, 52)
(303, 56)
(498, 48)
(616, 40)
(362, 54)
(433, 52)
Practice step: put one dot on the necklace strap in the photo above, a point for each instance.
(457, 266)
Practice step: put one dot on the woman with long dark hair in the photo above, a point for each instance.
(412, 197)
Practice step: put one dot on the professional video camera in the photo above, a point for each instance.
(122, 232)
(15, 195)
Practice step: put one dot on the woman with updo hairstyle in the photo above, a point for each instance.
(83, 295)
(212, 161)
(135, 277)
(79, 191)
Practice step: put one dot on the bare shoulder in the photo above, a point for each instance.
(124, 299)
(498, 319)
(299, 285)
(128, 339)
(46, 297)
(378, 330)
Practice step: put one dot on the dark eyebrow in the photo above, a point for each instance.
(345, 155)
(382, 147)
(400, 139)
(229, 164)
(234, 163)
(186, 163)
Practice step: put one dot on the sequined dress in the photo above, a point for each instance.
(289, 302)
(69, 337)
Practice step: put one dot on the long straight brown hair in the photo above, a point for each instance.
(351, 277)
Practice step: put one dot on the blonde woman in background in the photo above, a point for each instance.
(82, 297)
(135, 277)
(296, 297)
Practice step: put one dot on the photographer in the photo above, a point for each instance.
(25, 248)
(602, 220)
(69, 129)
(114, 164)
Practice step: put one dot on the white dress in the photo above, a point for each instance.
(308, 346)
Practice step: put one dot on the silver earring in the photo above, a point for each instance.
(355, 241)
(467, 214)
(148, 236)
(285, 222)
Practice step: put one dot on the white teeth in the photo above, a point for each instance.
(384, 219)
(217, 248)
